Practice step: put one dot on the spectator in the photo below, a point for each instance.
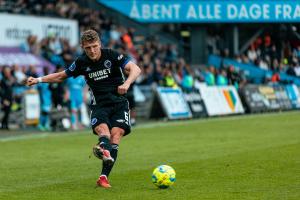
(235, 78)
(168, 79)
(275, 77)
(209, 76)
(158, 75)
(245, 59)
(76, 88)
(291, 70)
(126, 38)
(296, 52)
(57, 92)
(275, 65)
(181, 70)
(187, 82)
(172, 53)
(68, 53)
(55, 44)
(31, 71)
(238, 58)
(146, 77)
(297, 70)
(263, 64)
(6, 94)
(274, 53)
(252, 54)
(18, 74)
(31, 45)
(222, 78)
(45, 103)
(19, 88)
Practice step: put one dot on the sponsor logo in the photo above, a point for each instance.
(120, 120)
(72, 67)
(99, 75)
(120, 57)
(94, 121)
(107, 63)
(230, 98)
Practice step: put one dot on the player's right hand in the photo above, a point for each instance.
(122, 89)
(31, 81)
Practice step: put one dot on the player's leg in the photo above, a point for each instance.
(102, 149)
(116, 135)
(120, 122)
(115, 138)
(103, 132)
(100, 125)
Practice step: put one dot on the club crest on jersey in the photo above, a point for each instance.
(107, 63)
(72, 67)
(94, 121)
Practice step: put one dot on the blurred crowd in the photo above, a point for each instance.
(161, 63)
(71, 94)
(268, 51)
(158, 61)
(269, 55)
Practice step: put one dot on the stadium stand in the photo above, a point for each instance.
(162, 63)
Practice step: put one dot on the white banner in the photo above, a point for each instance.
(173, 103)
(14, 29)
(221, 100)
(32, 105)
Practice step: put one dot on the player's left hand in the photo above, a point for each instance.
(122, 89)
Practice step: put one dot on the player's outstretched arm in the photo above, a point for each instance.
(133, 72)
(50, 78)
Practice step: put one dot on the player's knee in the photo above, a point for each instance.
(115, 139)
(116, 135)
(102, 129)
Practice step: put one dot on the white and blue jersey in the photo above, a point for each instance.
(76, 89)
(45, 96)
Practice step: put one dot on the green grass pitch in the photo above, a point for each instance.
(241, 157)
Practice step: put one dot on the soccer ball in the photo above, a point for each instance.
(163, 176)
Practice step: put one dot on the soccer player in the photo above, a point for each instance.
(103, 71)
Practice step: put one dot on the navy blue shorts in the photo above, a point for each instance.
(114, 115)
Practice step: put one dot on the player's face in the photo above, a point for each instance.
(92, 49)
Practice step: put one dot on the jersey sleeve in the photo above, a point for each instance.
(74, 69)
(120, 59)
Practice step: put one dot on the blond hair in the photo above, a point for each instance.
(89, 36)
